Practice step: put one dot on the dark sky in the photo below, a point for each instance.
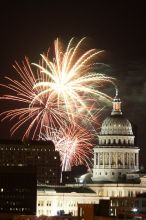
(30, 27)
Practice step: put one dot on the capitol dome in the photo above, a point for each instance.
(116, 125)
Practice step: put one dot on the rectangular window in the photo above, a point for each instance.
(81, 212)
(143, 203)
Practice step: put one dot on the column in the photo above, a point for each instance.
(129, 156)
(133, 160)
(103, 159)
(94, 158)
(137, 160)
(116, 159)
(109, 160)
(123, 160)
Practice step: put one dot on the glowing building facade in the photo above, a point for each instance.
(115, 156)
(115, 171)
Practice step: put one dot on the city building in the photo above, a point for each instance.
(115, 156)
(40, 154)
(91, 211)
(18, 190)
(51, 200)
(128, 207)
(115, 170)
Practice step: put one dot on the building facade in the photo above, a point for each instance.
(39, 154)
(18, 189)
(51, 199)
(127, 207)
(115, 156)
(115, 171)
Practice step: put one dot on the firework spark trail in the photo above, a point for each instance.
(36, 112)
(73, 144)
(62, 91)
(72, 79)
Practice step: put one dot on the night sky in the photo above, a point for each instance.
(119, 27)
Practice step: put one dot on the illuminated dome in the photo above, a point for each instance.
(116, 158)
(85, 178)
(116, 124)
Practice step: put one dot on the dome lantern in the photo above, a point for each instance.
(116, 105)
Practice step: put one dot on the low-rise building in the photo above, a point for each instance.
(53, 199)
(128, 207)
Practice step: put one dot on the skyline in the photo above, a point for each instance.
(28, 31)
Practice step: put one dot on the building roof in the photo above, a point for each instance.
(116, 125)
(66, 189)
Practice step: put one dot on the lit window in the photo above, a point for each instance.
(42, 203)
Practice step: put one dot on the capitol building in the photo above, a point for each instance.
(115, 156)
(115, 170)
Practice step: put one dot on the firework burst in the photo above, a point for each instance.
(62, 91)
(34, 112)
(73, 143)
(71, 78)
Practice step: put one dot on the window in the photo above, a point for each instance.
(143, 203)
(49, 203)
(136, 203)
(120, 193)
(81, 212)
(40, 203)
